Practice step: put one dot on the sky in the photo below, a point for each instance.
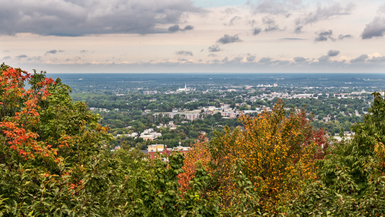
(187, 36)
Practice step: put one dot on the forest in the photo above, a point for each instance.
(56, 159)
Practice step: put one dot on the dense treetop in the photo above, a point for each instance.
(56, 160)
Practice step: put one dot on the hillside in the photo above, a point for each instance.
(56, 160)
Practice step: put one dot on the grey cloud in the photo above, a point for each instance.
(188, 27)
(275, 6)
(268, 20)
(227, 39)
(236, 60)
(233, 20)
(212, 55)
(54, 51)
(341, 37)
(230, 11)
(6, 58)
(298, 29)
(281, 62)
(376, 28)
(235, 65)
(173, 28)
(84, 51)
(333, 53)
(76, 18)
(176, 28)
(202, 50)
(21, 56)
(272, 28)
(324, 59)
(360, 59)
(184, 53)
(323, 13)
(299, 59)
(324, 36)
(252, 22)
(76, 59)
(182, 59)
(256, 31)
(377, 59)
(214, 48)
(6, 51)
(265, 60)
(39, 58)
(250, 58)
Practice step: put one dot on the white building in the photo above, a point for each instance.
(185, 89)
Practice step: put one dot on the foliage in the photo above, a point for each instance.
(274, 153)
(352, 175)
(279, 152)
(55, 160)
(199, 154)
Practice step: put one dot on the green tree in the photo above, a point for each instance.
(351, 176)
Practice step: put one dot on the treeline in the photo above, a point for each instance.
(55, 161)
(138, 101)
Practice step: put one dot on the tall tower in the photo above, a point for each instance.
(185, 87)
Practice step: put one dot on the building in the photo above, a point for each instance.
(181, 149)
(192, 116)
(250, 111)
(303, 96)
(172, 114)
(127, 135)
(149, 134)
(185, 89)
(147, 137)
(230, 114)
(152, 151)
(150, 92)
(155, 149)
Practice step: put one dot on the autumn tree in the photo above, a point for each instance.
(199, 154)
(276, 152)
(55, 159)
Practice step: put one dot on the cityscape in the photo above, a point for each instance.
(192, 108)
(173, 112)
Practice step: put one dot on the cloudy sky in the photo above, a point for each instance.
(138, 36)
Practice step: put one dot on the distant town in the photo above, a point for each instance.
(174, 111)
